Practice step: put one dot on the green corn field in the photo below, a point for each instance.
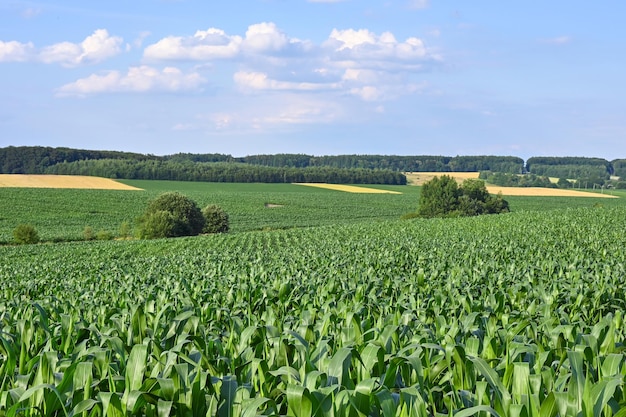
(511, 315)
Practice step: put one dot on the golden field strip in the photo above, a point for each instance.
(419, 178)
(61, 181)
(348, 188)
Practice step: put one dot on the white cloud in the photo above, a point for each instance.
(325, 1)
(213, 43)
(265, 37)
(286, 110)
(14, 51)
(203, 45)
(367, 93)
(363, 45)
(260, 81)
(138, 42)
(355, 62)
(138, 80)
(95, 48)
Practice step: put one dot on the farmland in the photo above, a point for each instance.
(509, 315)
(63, 214)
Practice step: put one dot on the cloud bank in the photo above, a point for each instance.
(95, 48)
(136, 80)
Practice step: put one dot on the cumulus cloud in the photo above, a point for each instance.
(214, 44)
(14, 51)
(96, 47)
(367, 47)
(357, 62)
(203, 45)
(137, 80)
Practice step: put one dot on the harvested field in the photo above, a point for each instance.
(419, 178)
(61, 181)
(544, 192)
(349, 188)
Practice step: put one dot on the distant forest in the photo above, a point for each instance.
(355, 169)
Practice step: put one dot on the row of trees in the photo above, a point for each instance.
(420, 163)
(223, 172)
(542, 162)
(37, 159)
(40, 160)
(512, 180)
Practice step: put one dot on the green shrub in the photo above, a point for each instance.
(185, 218)
(88, 233)
(443, 197)
(216, 219)
(125, 230)
(158, 224)
(104, 235)
(25, 234)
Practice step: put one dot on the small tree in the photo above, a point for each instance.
(25, 234)
(185, 217)
(442, 197)
(216, 219)
(439, 197)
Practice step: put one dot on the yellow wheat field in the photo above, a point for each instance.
(349, 188)
(419, 178)
(61, 181)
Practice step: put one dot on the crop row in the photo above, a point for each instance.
(510, 315)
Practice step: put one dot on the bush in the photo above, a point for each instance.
(439, 197)
(125, 230)
(216, 219)
(183, 218)
(104, 235)
(442, 197)
(158, 224)
(88, 233)
(25, 234)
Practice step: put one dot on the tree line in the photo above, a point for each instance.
(41, 160)
(36, 159)
(222, 172)
(401, 163)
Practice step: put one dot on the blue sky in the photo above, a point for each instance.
(324, 77)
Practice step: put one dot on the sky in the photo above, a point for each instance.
(319, 77)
